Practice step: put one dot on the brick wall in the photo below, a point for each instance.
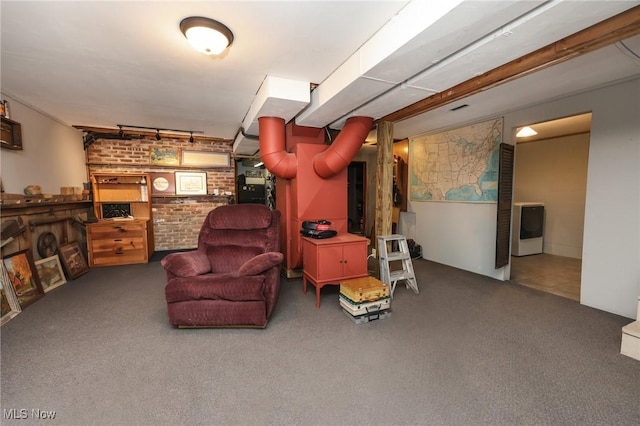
(176, 219)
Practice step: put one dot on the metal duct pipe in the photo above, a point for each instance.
(276, 159)
(330, 162)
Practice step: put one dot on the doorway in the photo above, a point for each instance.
(551, 169)
(356, 197)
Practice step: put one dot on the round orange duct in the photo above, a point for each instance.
(330, 162)
(276, 159)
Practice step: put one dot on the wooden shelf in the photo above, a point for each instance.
(120, 242)
(156, 166)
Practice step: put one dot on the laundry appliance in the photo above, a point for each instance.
(528, 228)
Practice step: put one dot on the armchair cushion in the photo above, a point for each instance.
(188, 264)
(257, 265)
(240, 216)
(215, 287)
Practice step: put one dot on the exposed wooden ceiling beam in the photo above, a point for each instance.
(614, 29)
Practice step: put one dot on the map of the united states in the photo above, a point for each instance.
(456, 165)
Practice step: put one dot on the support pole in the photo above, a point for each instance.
(384, 179)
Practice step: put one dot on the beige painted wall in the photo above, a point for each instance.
(53, 154)
(554, 171)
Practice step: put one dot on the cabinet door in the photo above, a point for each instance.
(330, 262)
(355, 260)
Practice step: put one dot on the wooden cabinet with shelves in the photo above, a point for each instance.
(331, 260)
(124, 231)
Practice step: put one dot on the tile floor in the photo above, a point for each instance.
(554, 274)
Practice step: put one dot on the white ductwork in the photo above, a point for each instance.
(276, 97)
(427, 48)
(461, 40)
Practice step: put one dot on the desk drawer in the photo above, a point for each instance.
(115, 230)
(118, 252)
(117, 243)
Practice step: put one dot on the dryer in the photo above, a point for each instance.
(528, 228)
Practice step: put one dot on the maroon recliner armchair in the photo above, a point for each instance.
(233, 278)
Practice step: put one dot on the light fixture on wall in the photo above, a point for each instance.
(158, 137)
(191, 138)
(526, 132)
(206, 35)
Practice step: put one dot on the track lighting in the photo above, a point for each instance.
(157, 129)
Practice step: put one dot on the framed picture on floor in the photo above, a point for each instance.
(73, 260)
(23, 277)
(9, 305)
(50, 273)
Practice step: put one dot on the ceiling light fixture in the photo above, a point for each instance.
(206, 35)
(525, 132)
(258, 164)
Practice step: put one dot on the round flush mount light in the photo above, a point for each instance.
(206, 35)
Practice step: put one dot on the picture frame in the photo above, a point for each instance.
(205, 159)
(164, 156)
(191, 183)
(9, 306)
(162, 183)
(50, 273)
(10, 134)
(73, 260)
(23, 277)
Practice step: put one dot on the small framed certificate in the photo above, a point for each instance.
(191, 183)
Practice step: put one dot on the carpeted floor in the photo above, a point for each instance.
(468, 350)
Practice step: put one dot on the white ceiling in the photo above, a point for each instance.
(107, 63)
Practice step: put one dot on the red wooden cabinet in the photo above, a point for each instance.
(331, 260)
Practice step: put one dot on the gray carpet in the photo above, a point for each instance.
(468, 350)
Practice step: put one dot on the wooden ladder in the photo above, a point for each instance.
(395, 248)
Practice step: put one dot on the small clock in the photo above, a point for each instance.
(163, 183)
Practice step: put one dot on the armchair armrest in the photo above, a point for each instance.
(260, 263)
(187, 264)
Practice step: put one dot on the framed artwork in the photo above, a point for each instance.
(163, 183)
(10, 134)
(191, 183)
(9, 305)
(23, 277)
(164, 156)
(205, 159)
(73, 260)
(50, 273)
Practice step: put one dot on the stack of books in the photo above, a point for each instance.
(365, 299)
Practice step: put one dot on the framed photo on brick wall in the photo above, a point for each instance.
(205, 159)
(163, 183)
(191, 183)
(164, 156)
